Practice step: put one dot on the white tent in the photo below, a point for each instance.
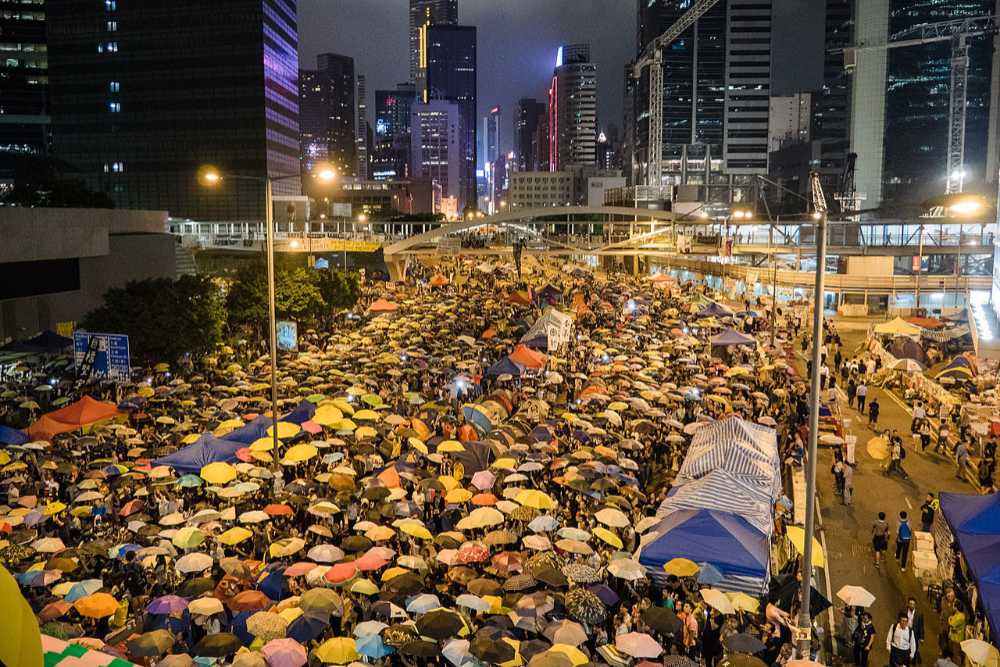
(555, 325)
(721, 490)
(743, 449)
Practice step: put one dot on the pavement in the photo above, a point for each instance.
(847, 529)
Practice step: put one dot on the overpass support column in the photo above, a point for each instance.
(397, 268)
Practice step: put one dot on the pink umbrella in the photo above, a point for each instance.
(370, 561)
(310, 426)
(244, 454)
(341, 572)
(483, 480)
(284, 653)
(298, 569)
(638, 645)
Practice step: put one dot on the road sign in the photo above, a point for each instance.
(288, 336)
(101, 355)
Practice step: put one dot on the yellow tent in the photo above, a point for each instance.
(897, 327)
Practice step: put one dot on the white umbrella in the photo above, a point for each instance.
(610, 516)
(856, 596)
(627, 569)
(194, 562)
(980, 652)
(474, 602)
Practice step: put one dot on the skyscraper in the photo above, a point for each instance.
(435, 140)
(361, 128)
(24, 122)
(314, 107)
(451, 76)
(526, 117)
(337, 72)
(137, 106)
(491, 136)
(573, 109)
(830, 123)
(424, 13)
(391, 151)
(747, 92)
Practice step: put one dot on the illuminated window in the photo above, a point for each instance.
(115, 107)
(115, 87)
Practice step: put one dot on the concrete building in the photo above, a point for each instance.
(491, 136)
(599, 186)
(362, 129)
(137, 105)
(436, 146)
(24, 82)
(789, 120)
(57, 263)
(748, 78)
(573, 109)
(379, 200)
(533, 189)
(391, 153)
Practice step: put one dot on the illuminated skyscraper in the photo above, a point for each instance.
(573, 109)
(24, 121)
(424, 13)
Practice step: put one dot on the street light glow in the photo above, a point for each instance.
(209, 176)
(966, 207)
(362, 218)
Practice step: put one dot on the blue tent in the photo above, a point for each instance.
(732, 337)
(714, 310)
(207, 449)
(975, 523)
(505, 365)
(729, 543)
(257, 428)
(11, 436)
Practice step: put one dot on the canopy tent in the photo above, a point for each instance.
(732, 337)
(549, 294)
(897, 327)
(47, 342)
(554, 326)
(74, 416)
(383, 306)
(207, 449)
(746, 450)
(525, 356)
(903, 347)
(926, 322)
(975, 523)
(520, 298)
(722, 490)
(714, 309)
(729, 543)
(505, 367)
(12, 436)
(257, 428)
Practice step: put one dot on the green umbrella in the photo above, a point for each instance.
(151, 644)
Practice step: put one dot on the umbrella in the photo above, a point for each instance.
(585, 606)
(218, 473)
(321, 600)
(284, 653)
(194, 562)
(205, 606)
(338, 651)
(612, 517)
(96, 605)
(717, 600)
(638, 645)
(741, 660)
(565, 632)
(490, 650)
(681, 567)
(307, 628)
(797, 537)
(267, 625)
(218, 645)
(441, 624)
(373, 646)
(855, 596)
(167, 604)
(878, 448)
(743, 643)
(980, 652)
(151, 644)
(662, 620)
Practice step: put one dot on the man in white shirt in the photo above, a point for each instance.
(901, 642)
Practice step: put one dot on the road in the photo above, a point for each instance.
(847, 530)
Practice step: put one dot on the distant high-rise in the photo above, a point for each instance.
(451, 76)
(491, 136)
(526, 117)
(337, 73)
(424, 13)
(24, 121)
(747, 92)
(391, 150)
(137, 103)
(573, 109)
(435, 140)
(361, 128)
(313, 114)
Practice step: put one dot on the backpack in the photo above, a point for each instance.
(893, 633)
(902, 453)
(905, 533)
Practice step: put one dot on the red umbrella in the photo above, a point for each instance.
(131, 507)
(341, 572)
(244, 454)
(279, 509)
(54, 610)
(249, 601)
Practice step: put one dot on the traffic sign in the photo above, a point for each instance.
(101, 355)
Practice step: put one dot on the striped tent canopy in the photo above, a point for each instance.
(747, 451)
(721, 490)
(57, 652)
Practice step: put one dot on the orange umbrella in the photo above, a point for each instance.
(423, 432)
(390, 478)
(96, 605)
(279, 509)
(483, 499)
(438, 280)
(249, 601)
(467, 434)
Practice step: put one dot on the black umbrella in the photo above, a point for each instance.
(197, 587)
(420, 648)
(743, 643)
(662, 620)
(151, 644)
(440, 624)
(356, 544)
(405, 584)
(742, 660)
(218, 645)
(489, 650)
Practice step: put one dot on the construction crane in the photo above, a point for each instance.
(957, 32)
(652, 57)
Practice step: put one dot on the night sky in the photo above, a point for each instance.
(517, 43)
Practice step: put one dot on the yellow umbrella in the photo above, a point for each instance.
(364, 432)
(535, 499)
(681, 567)
(262, 445)
(53, 508)
(300, 453)
(418, 445)
(4, 458)
(227, 426)
(517, 660)
(717, 600)
(188, 538)
(20, 641)
(285, 430)
(878, 448)
(416, 530)
(394, 572)
(450, 446)
(606, 535)
(366, 416)
(343, 406)
(458, 495)
(145, 391)
(575, 655)
(96, 605)
(744, 602)
(364, 587)
(190, 438)
(505, 463)
(797, 537)
(328, 415)
(234, 535)
(338, 651)
(218, 473)
(380, 533)
(287, 547)
(448, 482)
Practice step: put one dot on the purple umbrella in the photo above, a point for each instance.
(167, 604)
(608, 596)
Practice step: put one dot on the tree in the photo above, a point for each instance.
(298, 297)
(339, 289)
(163, 318)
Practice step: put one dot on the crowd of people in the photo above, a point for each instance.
(396, 522)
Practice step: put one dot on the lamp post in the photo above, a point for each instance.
(209, 176)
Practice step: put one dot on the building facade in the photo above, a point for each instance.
(789, 120)
(425, 13)
(536, 189)
(436, 145)
(491, 136)
(451, 76)
(527, 115)
(361, 128)
(137, 106)
(336, 73)
(24, 119)
(573, 109)
(391, 152)
(748, 83)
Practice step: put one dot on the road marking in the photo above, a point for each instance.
(908, 503)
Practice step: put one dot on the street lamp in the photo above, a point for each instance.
(210, 176)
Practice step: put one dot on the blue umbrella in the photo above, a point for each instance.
(306, 628)
(608, 596)
(275, 586)
(709, 574)
(82, 589)
(240, 627)
(373, 647)
(11, 436)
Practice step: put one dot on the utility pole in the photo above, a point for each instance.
(805, 617)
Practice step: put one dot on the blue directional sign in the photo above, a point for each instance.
(101, 355)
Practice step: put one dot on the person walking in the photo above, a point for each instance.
(864, 639)
(916, 621)
(903, 536)
(873, 410)
(848, 473)
(927, 511)
(962, 459)
(901, 642)
(862, 393)
(880, 538)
